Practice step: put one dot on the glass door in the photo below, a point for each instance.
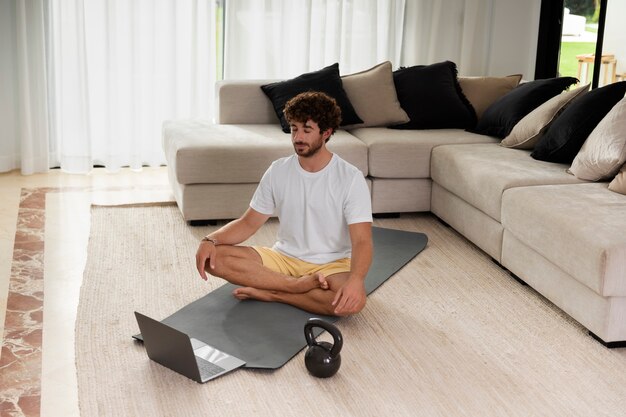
(593, 41)
(579, 36)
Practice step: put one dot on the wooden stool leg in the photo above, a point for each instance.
(614, 75)
(580, 67)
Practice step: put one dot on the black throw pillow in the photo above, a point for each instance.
(432, 97)
(568, 132)
(326, 80)
(499, 119)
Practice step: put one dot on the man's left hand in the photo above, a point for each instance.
(350, 298)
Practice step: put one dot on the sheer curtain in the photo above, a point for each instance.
(119, 69)
(278, 39)
(281, 39)
(89, 82)
(23, 86)
(455, 30)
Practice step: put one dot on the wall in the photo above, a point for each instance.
(615, 33)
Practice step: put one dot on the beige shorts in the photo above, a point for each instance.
(294, 267)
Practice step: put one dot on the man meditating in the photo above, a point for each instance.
(324, 242)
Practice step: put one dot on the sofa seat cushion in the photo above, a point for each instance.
(200, 152)
(580, 228)
(406, 153)
(480, 173)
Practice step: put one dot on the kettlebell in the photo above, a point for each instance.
(322, 359)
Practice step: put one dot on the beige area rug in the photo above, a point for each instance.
(451, 334)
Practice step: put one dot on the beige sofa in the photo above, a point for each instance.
(564, 237)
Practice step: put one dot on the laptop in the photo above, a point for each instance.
(188, 356)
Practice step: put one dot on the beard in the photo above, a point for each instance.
(309, 150)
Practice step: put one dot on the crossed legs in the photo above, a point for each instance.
(241, 265)
(317, 300)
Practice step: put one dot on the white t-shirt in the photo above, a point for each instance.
(314, 208)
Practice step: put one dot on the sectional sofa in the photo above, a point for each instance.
(562, 235)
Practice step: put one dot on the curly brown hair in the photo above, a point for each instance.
(316, 106)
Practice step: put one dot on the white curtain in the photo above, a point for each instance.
(454, 30)
(268, 39)
(89, 82)
(86, 82)
(23, 86)
(120, 68)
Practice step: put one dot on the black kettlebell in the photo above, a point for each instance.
(322, 359)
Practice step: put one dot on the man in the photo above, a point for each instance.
(324, 242)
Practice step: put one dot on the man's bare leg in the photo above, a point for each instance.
(242, 265)
(317, 301)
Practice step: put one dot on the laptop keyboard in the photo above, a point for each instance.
(208, 369)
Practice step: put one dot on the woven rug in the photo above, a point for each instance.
(450, 334)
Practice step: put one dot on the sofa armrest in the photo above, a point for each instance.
(243, 102)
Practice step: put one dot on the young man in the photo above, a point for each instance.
(324, 242)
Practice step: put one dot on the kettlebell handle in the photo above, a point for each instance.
(330, 328)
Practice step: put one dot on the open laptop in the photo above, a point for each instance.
(188, 356)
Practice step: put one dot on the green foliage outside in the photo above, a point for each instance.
(588, 8)
(568, 64)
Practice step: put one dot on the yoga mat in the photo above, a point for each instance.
(267, 335)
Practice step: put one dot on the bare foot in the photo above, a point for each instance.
(246, 293)
(308, 282)
(323, 283)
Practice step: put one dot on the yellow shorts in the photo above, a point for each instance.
(294, 267)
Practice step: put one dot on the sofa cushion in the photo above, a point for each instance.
(201, 152)
(243, 102)
(373, 96)
(566, 135)
(406, 153)
(604, 151)
(528, 131)
(483, 91)
(500, 118)
(432, 97)
(579, 228)
(326, 80)
(618, 184)
(480, 173)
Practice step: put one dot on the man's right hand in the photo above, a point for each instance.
(206, 253)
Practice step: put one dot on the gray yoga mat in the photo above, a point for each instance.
(267, 335)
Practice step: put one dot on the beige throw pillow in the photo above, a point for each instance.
(482, 92)
(619, 182)
(528, 131)
(373, 96)
(604, 151)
